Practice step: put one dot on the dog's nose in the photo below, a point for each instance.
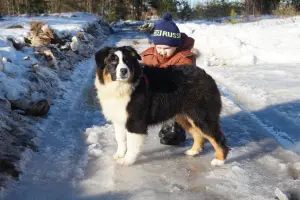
(123, 71)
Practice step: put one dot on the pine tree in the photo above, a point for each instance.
(185, 11)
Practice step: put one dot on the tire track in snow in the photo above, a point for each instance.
(281, 137)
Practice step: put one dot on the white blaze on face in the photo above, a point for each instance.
(123, 72)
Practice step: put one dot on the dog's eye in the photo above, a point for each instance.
(113, 57)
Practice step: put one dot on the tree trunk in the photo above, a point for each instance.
(94, 6)
(7, 5)
(18, 7)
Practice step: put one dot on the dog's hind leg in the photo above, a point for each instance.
(202, 131)
(198, 136)
(218, 140)
(198, 144)
(212, 132)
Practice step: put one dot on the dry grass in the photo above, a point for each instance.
(135, 42)
(286, 10)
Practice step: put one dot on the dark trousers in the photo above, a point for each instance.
(172, 134)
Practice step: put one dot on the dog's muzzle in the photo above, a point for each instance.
(123, 74)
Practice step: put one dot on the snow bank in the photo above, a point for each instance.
(267, 41)
(25, 74)
(16, 68)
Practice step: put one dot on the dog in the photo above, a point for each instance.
(134, 96)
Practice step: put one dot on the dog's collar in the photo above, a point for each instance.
(142, 77)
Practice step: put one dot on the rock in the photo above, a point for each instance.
(83, 44)
(17, 44)
(27, 41)
(35, 68)
(15, 26)
(81, 35)
(49, 57)
(26, 58)
(5, 104)
(7, 166)
(281, 195)
(19, 104)
(7, 60)
(65, 47)
(75, 43)
(39, 108)
(10, 75)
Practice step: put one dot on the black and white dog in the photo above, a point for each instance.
(133, 97)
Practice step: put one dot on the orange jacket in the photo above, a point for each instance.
(182, 56)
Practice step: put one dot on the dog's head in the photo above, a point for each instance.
(118, 64)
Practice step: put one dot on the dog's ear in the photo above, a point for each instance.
(101, 55)
(133, 52)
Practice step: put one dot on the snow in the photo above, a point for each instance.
(273, 41)
(31, 79)
(15, 84)
(280, 195)
(62, 23)
(260, 118)
(258, 64)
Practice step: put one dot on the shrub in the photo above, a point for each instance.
(285, 9)
(233, 16)
(216, 9)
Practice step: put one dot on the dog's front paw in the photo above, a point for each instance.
(119, 155)
(191, 152)
(127, 160)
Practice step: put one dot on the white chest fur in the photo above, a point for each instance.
(114, 98)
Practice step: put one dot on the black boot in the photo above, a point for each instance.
(172, 134)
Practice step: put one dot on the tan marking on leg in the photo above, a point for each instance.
(184, 123)
(221, 152)
(199, 140)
